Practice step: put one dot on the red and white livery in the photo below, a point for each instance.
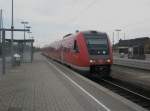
(88, 51)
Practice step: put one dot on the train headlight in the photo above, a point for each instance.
(92, 61)
(108, 60)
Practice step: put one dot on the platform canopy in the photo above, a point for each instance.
(20, 40)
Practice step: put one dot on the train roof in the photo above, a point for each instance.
(85, 33)
(67, 35)
(92, 32)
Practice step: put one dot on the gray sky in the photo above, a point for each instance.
(51, 19)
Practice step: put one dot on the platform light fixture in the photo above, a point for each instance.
(29, 33)
(118, 32)
(28, 27)
(24, 24)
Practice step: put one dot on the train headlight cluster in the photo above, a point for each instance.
(108, 60)
(92, 61)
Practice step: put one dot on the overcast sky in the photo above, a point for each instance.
(51, 19)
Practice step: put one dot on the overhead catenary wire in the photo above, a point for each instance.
(75, 18)
(136, 23)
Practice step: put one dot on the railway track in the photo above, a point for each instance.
(131, 92)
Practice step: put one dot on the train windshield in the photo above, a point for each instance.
(97, 44)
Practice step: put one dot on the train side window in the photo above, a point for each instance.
(75, 47)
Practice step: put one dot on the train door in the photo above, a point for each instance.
(62, 53)
(75, 53)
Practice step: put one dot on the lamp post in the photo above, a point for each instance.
(1, 24)
(24, 23)
(24, 43)
(32, 48)
(118, 31)
(28, 27)
(29, 33)
(113, 39)
(12, 31)
(32, 37)
(124, 35)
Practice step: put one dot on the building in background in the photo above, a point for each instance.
(138, 48)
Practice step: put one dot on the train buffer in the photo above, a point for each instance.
(46, 85)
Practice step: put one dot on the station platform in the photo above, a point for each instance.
(133, 63)
(135, 76)
(7, 64)
(133, 71)
(46, 85)
(0, 66)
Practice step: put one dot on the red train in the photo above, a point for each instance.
(87, 51)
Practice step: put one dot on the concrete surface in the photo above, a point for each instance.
(141, 64)
(117, 55)
(135, 76)
(48, 86)
(8, 65)
(0, 66)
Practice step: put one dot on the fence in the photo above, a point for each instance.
(22, 47)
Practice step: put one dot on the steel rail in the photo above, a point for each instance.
(147, 98)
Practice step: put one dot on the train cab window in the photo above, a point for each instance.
(97, 44)
(75, 46)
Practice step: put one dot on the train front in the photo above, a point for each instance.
(100, 52)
